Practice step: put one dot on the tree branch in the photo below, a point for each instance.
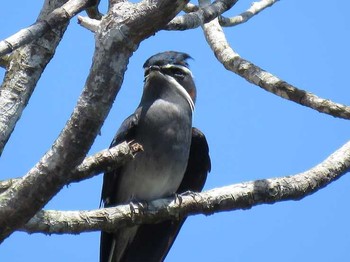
(189, 8)
(255, 9)
(203, 15)
(58, 16)
(24, 68)
(239, 196)
(120, 33)
(254, 74)
(103, 161)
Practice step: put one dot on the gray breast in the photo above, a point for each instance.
(164, 131)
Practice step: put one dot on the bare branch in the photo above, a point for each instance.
(254, 74)
(255, 9)
(228, 198)
(58, 16)
(26, 66)
(203, 15)
(88, 23)
(189, 8)
(120, 33)
(103, 161)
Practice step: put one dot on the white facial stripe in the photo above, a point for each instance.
(182, 91)
(183, 68)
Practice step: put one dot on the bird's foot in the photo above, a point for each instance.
(137, 208)
(178, 198)
(189, 193)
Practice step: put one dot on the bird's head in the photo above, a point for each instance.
(174, 67)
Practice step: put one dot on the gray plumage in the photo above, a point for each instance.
(162, 124)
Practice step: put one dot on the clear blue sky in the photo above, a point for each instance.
(252, 134)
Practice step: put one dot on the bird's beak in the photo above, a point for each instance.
(149, 69)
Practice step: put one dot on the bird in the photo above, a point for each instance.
(175, 159)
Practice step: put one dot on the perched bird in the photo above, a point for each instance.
(175, 159)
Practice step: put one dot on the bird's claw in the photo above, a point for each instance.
(137, 207)
(178, 198)
(189, 193)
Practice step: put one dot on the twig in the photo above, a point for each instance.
(203, 15)
(255, 9)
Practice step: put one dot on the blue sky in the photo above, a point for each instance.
(252, 134)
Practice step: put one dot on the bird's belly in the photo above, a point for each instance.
(149, 177)
(158, 170)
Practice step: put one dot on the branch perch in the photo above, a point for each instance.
(239, 196)
(103, 161)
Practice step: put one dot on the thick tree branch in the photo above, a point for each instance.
(103, 161)
(228, 198)
(203, 15)
(88, 23)
(59, 16)
(255, 9)
(120, 33)
(24, 68)
(254, 74)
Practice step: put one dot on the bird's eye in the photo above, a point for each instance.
(178, 72)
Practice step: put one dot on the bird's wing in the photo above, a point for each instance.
(126, 132)
(152, 242)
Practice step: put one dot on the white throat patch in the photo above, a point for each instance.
(181, 90)
(178, 86)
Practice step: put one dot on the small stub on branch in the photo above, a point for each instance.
(88, 23)
(135, 148)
